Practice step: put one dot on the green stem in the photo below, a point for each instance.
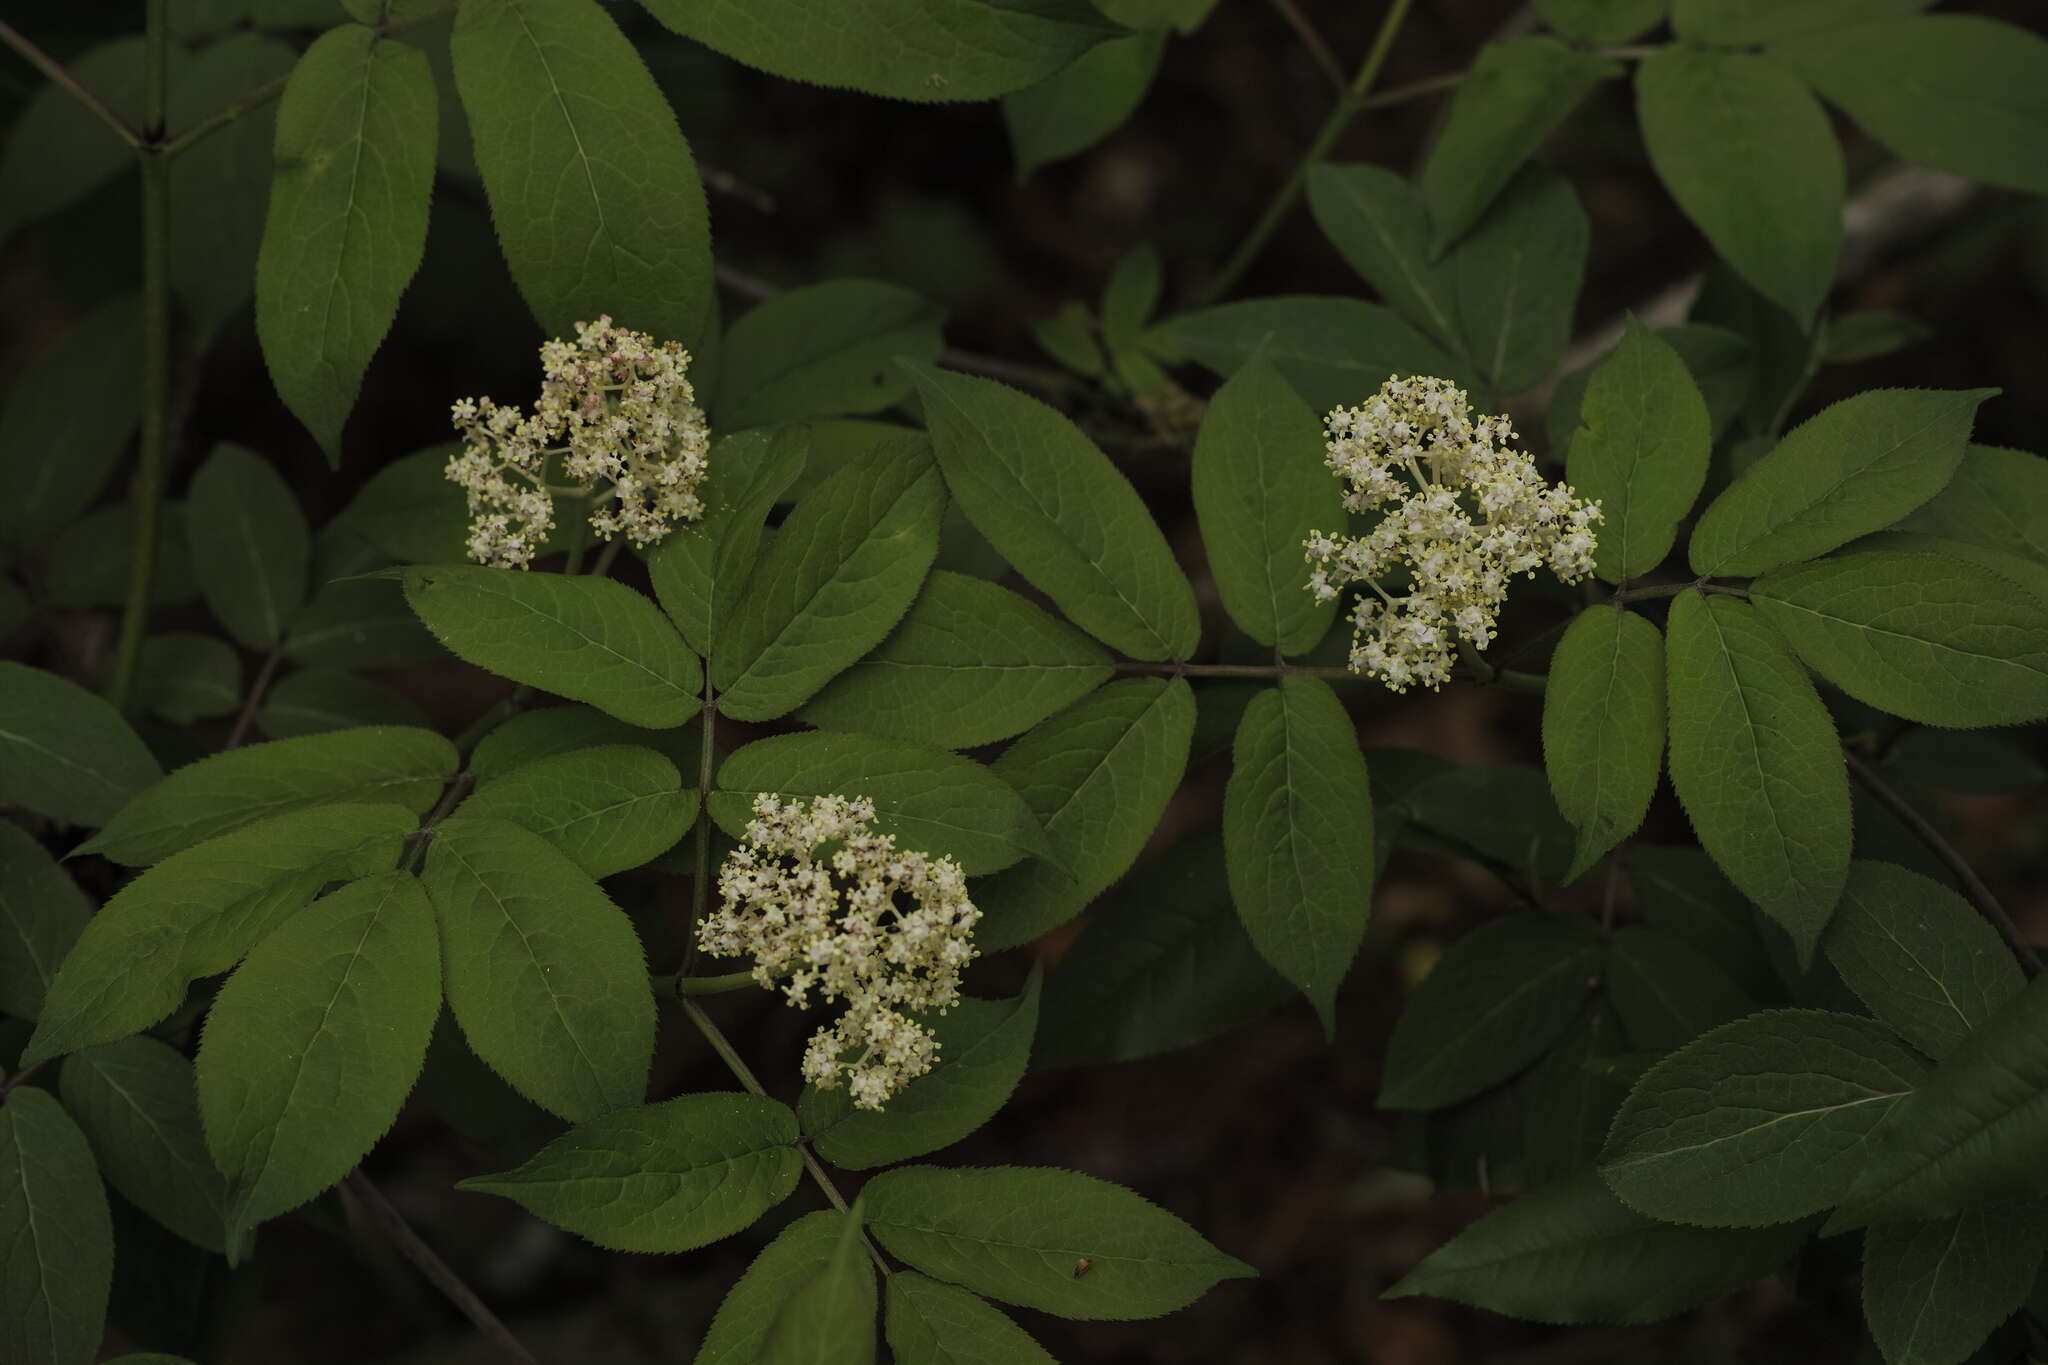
(700, 886)
(704, 985)
(63, 80)
(1512, 679)
(1349, 103)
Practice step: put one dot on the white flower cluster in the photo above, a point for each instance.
(620, 411)
(1465, 513)
(823, 902)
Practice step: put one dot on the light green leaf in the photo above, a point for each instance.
(699, 571)
(1098, 776)
(228, 791)
(1378, 223)
(739, 1331)
(65, 753)
(249, 543)
(185, 677)
(1494, 1002)
(1602, 21)
(1998, 499)
(840, 573)
(1756, 764)
(830, 1319)
(1764, 1120)
(532, 736)
(1667, 991)
(136, 1103)
(319, 701)
(931, 800)
(1919, 956)
(57, 150)
(42, 913)
(610, 807)
(984, 1046)
(1641, 451)
(1297, 827)
(1972, 1133)
(1852, 468)
(1929, 637)
(593, 190)
(823, 351)
(930, 1323)
(348, 219)
(924, 50)
(543, 972)
(1054, 506)
(1747, 152)
(315, 1041)
(67, 418)
(1019, 1234)
(1518, 92)
(55, 1277)
(1261, 487)
(1932, 1292)
(972, 663)
(197, 912)
(411, 511)
(662, 1177)
(1737, 22)
(1603, 727)
(1716, 358)
(1334, 351)
(1573, 1253)
(588, 639)
(1083, 102)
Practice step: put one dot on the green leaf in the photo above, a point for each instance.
(1667, 991)
(1297, 827)
(1852, 337)
(1737, 22)
(57, 150)
(1498, 813)
(319, 701)
(137, 1106)
(88, 563)
(197, 912)
(823, 351)
(1054, 506)
(1518, 278)
(1919, 956)
(356, 623)
(1641, 451)
(1932, 1292)
(411, 511)
(984, 1046)
(1761, 1121)
(65, 753)
(185, 677)
(1929, 637)
(1334, 351)
(593, 191)
(739, 1332)
(1068, 336)
(924, 50)
(1716, 358)
(830, 1320)
(231, 790)
(1573, 1253)
(1379, 225)
(55, 1276)
(1972, 1133)
(1131, 294)
(1998, 499)
(1083, 102)
(1853, 468)
(1020, 1234)
(1602, 21)
(1166, 964)
(1756, 764)
(67, 419)
(42, 913)
(348, 219)
(839, 575)
(972, 663)
(931, 800)
(662, 1177)
(1261, 488)
(1747, 152)
(249, 543)
(532, 736)
(315, 1041)
(1518, 93)
(1098, 776)
(1494, 1002)
(699, 572)
(1603, 727)
(588, 639)
(930, 1323)
(610, 807)
(1569, 1102)
(544, 973)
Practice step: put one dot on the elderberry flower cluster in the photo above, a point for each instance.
(1465, 512)
(822, 902)
(618, 411)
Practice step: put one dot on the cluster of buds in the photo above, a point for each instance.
(823, 903)
(1464, 513)
(618, 411)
